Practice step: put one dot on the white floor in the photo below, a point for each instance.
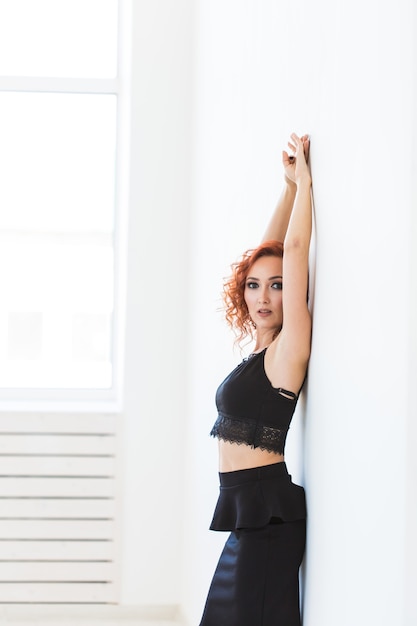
(73, 615)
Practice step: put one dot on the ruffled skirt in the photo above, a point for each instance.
(256, 579)
(250, 498)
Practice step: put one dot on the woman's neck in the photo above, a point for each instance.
(263, 340)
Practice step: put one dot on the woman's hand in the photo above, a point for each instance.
(296, 169)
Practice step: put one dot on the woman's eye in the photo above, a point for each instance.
(276, 285)
(251, 285)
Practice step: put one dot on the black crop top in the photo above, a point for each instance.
(251, 410)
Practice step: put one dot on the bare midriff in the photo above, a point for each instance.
(234, 456)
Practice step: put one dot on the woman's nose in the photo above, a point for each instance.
(263, 297)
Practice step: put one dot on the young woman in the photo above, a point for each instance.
(256, 579)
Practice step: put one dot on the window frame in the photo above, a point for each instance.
(77, 399)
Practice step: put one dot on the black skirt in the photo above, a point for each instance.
(256, 579)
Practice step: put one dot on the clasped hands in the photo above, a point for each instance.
(296, 167)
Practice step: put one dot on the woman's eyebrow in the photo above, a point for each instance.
(271, 278)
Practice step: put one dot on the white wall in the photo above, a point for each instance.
(232, 78)
(156, 308)
(343, 73)
(410, 607)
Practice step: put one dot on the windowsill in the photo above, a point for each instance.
(112, 615)
(38, 406)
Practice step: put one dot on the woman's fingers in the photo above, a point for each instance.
(296, 139)
(296, 165)
(301, 146)
(298, 145)
(306, 144)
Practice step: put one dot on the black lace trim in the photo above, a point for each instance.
(249, 433)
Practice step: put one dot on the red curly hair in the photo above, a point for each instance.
(237, 314)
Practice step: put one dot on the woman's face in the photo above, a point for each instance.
(263, 293)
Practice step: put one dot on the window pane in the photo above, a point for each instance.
(24, 335)
(57, 156)
(66, 38)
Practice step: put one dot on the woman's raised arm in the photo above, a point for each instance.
(296, 329)
(278, 225)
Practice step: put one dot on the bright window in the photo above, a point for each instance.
(59, 195)
(67, 38)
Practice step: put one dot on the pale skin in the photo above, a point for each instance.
(276, 297)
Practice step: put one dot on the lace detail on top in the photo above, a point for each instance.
(244, 431)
